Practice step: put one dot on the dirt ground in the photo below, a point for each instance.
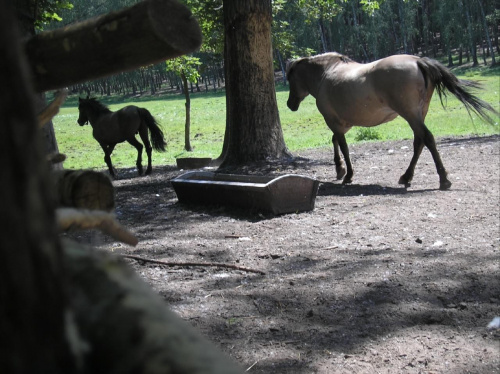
(376, 279)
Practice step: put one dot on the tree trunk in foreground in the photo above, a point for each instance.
(26, 19)
(253, 128)
(65, 309)
(33, 297)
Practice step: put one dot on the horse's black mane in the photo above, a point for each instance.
(96, 105)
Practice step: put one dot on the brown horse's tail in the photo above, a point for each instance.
(443, 79)
(157, 139)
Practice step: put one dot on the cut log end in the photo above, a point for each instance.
(181, 19)
(85, 189)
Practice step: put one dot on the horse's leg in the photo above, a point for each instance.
(340, 138)
(143, 133)
(134, 142)
(418, 145)
(422, 136)
(108, 149)
(430, 143)
(339, 168)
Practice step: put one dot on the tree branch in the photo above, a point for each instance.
(146, 33)
(185, 264)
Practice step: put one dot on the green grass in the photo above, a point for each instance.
(302, 130)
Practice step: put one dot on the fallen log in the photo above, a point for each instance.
(85, 189)
(149, 32)
(126, 327)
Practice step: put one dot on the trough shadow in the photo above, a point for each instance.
(337, 189)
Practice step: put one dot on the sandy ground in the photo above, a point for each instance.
(376, 279)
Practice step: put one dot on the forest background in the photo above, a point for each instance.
(460, 33)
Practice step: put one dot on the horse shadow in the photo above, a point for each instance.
(338, 189)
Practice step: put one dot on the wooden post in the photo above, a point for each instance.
(146, 33)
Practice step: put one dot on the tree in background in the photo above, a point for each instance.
(186, 67)
(364, 30)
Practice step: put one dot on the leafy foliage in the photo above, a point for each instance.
(366, 133)
(185, 65)
(365, 30)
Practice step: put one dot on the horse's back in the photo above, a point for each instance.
(373, 93)
(119, 126)
(397, 70)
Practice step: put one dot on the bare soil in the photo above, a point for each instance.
(376, 279)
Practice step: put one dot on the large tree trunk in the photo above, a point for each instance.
(253, 128)
(70, 310)
(33, 297)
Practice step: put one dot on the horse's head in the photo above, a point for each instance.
(83, 118)
(298, 86)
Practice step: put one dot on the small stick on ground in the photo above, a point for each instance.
(185, 264)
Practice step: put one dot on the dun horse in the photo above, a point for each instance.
(110, 128)
(350, 94)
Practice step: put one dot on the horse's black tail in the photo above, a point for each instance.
(157, 139)
(443, 79)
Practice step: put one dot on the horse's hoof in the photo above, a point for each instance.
(443, 186)
(148, 171)
(347, 181)
(405, 181)
(340, 173)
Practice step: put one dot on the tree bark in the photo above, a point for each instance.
(26, 19)
(253, 128)
(472, 41)
(403, 25)
(187, 125)
(147, 33)
(34, 306)
(65, 309)
(487, 34)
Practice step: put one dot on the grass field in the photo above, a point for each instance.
(302, 130)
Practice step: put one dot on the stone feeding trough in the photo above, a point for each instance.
(276, 194)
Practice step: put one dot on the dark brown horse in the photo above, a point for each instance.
(110, 128)
(350, 94)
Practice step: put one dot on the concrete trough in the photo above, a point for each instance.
(288, 193)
